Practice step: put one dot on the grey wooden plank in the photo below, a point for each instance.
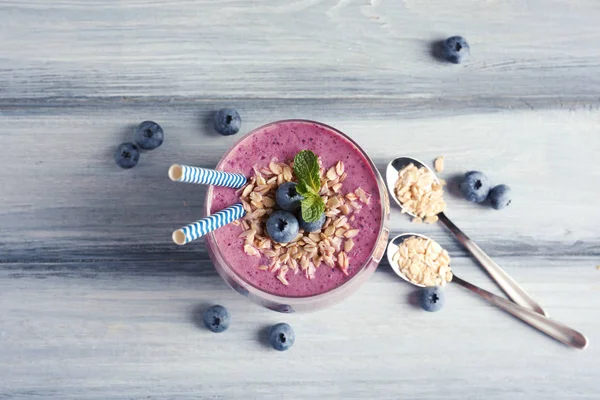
(137, 337)
(96, 303)
(298, 49)
(61, 189)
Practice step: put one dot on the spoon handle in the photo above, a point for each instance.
(552, 328)
(506, 283)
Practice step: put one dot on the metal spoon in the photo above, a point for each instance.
(506, 283)
(552, 328)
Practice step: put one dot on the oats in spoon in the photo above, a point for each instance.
(423, 262)
(419, 193)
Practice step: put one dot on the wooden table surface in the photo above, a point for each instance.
(96, 302)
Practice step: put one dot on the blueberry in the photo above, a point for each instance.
(287, 198)
(455, 49)
(282, 226)
(311, 226)
(227, 121)
(475, 186)
(217, 319)
(148, 135)
(432, 298)
(500, 196)
(281, 336)
(127, 155)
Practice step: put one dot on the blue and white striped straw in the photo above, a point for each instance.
(200, 228)
(205, 176)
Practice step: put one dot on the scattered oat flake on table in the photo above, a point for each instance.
(438, 164)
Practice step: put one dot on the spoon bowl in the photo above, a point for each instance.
(393, 248)
(391, 175)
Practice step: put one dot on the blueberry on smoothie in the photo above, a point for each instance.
(432, 298)
(500, 197)
(227, 121)
(455, 49)
(217, 319)
(311, 226)
(287, 198)
(282, 336)
(282, 226)
(148, 135)
(475, 186)
(127, 155)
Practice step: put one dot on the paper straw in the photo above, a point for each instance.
(205, 176)
(200, 228)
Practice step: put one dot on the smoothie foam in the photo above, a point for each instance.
(283, 141)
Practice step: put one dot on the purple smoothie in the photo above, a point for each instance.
(283, 141)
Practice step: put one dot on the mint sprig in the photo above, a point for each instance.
(306, 169)
(312, 207)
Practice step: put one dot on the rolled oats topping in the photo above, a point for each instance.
(419, 193)
(328, 247)
(423, 261)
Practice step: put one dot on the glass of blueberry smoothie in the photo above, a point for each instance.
(317, 217)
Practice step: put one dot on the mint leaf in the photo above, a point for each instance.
(312, 207)
(304, 190)
(306, 169)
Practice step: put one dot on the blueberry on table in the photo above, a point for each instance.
(227, 121)
(500, 197)
(475, 186)
(455, 49)
(282, 226)
(148, 135)
(281, 336)
(432, 298)
(127, 155)
(217, 319)
(287, 198)
(311, 226)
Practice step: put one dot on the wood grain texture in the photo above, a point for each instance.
(298, 49)
(97, 303)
